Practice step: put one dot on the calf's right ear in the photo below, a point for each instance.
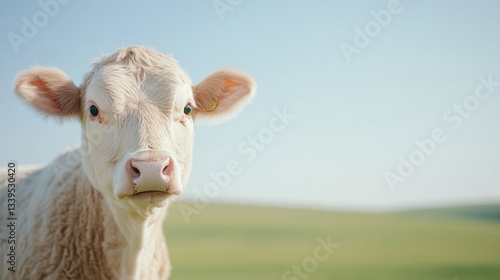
(49, 90)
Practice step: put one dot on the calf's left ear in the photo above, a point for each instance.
(222, 95)
(49, 90)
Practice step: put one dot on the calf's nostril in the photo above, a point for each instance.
(166, 167)
(133, 169)
(136, 171)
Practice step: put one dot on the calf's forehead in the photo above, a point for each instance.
(134, 73)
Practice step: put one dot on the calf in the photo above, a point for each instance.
(96, 211)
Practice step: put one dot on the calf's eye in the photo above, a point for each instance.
(187, 109)
(94, 111)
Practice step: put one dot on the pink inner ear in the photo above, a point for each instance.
(233, 92)
(40, 96)
(230, 83)
(229, 95)
(222, 95)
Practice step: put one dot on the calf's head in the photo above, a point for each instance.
(137, 108)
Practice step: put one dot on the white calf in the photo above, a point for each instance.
(96, 212)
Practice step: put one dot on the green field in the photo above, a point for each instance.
(244, 242)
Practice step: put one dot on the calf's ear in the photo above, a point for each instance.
(49, 90)
(222, 95)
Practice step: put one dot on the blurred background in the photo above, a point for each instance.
(381, 106)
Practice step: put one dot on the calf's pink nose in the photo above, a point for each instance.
(150, 174)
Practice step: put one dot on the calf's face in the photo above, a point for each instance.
(137, 108)
(138, 133)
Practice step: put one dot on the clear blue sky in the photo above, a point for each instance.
(352, 120)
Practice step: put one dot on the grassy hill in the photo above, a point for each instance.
(243, 242)
(487, 212)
